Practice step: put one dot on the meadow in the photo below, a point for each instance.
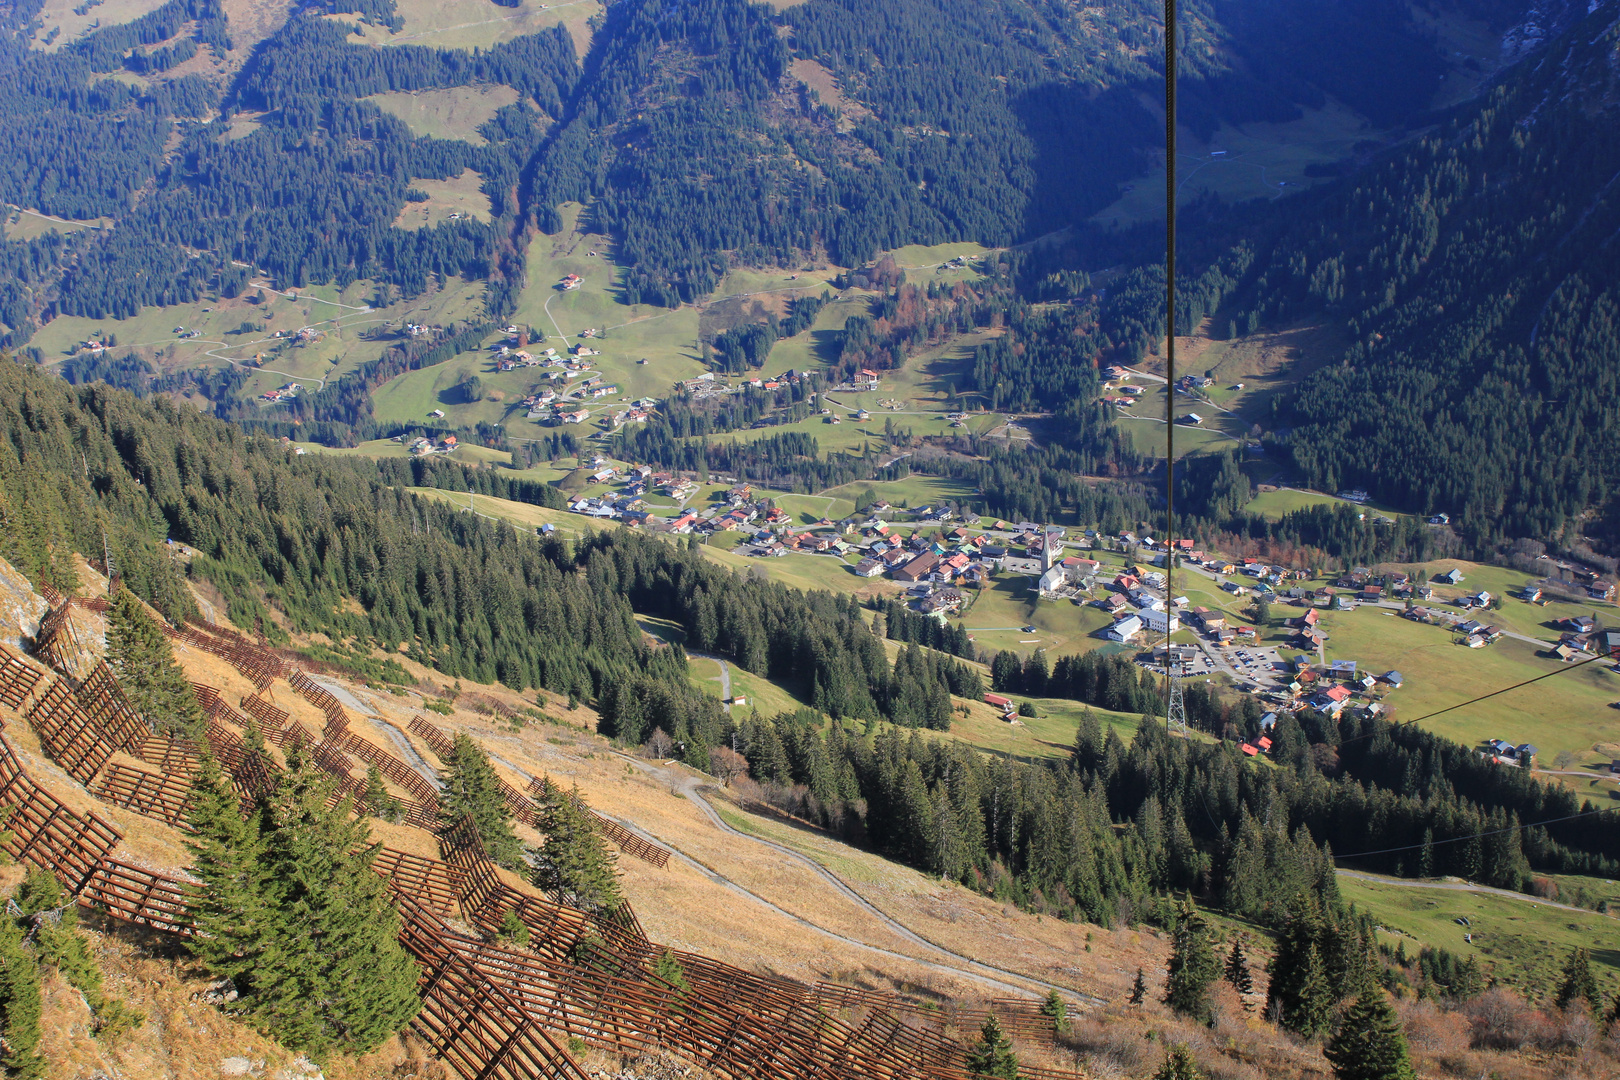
(456, 113)
(341, 317)
(1519, 942)
(476, 24)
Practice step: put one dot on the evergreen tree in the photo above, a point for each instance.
(63, 946)
(574, 860)
(20, 1005)
(318, 948)
(379, 801)
(236, 927)
(1237, 968)
(513, 930)
(1179, 1065)
(1369, 1043)
(1192, 966)
(1057, 1010)
(669, 969)
(1579, 984)
(143, 661)
(472, 790)
(993, 1054)
(1300, 993)
(1139, 988)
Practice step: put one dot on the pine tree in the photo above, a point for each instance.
(20, 1006)
(669, 969)
(332, 975)
(574, 860)
(1139, 988)
(1192, 966)
(1057, 1010)
(236, 928)
(1237, 968)
(513, 930)
(1369, 1043)
(472, 790)
(143, 661)
(993, 1054)
(1299, 992)
(1579, 984)
(1179, 1065)
(379, 801)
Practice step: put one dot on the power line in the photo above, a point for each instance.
(1482, 697)
(1474, 836)
(1171, 688)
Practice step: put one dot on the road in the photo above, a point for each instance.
(1460, 886)
(689, 786)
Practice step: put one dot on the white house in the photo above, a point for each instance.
(1124, 629)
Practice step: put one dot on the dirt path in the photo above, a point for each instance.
(688, 786)
(1460, 886)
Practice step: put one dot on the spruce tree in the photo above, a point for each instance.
(1139, 989)
(1056, 1010)
(574, 860)
(1179, 1065)
(379, 801)
(472, 790)
(20, 1006)
(1300, 993)
(993, 1054)
(143, 661)
(236, 927)
(669, 969)
(513, 930)
(1579, 984)
(332, 975)
(1237, 968)
(1369, 1043)
(1192, 966)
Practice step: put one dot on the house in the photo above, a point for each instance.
(1608, 643)
(1331, 701)
(1125, 629)
(1526, 752)
(1394, 678)
(1530, 594)
(918, 568)
(868, 568)
(1451, 577)
(1579, 624)
(998, 701)
(1264, 741)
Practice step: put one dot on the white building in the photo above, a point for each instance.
(1155, 621)
(1124, 629)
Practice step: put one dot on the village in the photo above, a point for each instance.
(938, 558)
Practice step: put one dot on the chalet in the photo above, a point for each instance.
(1394, 678)
(1264, 741)
(1331, 701)
(1530, 594)
(1308, 620)
(1249, 750)
(918, 568)
(1113, 603)
(1451, 577)
(1372, 593)
(1608, 643)
(1579, 624)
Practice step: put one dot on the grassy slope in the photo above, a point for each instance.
(456, 113)
(340, 314)
(460, 196)
(476, 24)
(1524, 944)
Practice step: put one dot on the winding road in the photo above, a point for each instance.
(690, 787)
(1460, 886)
